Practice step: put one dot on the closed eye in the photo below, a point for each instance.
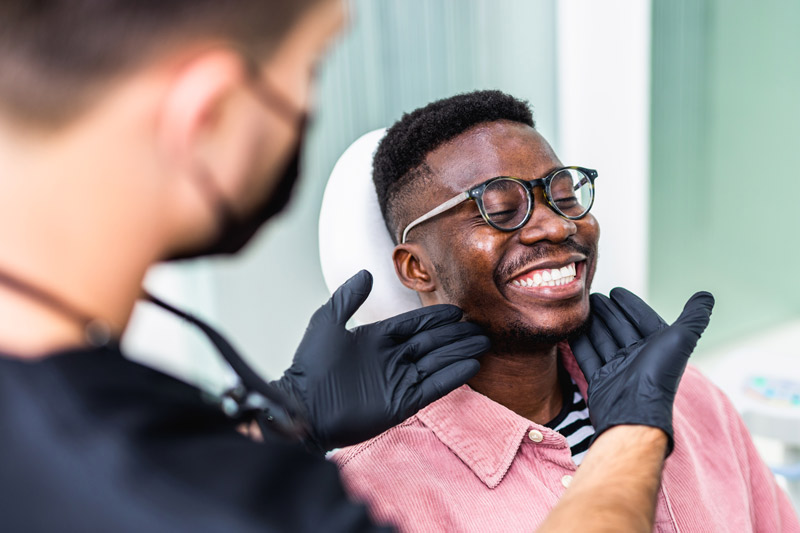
(502, 216)
(506, 212)
(567, 202)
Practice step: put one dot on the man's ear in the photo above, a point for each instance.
(195, 101)
(413, 267)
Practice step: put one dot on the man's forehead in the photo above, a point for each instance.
(501, 148)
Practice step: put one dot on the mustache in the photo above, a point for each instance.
(537, 252)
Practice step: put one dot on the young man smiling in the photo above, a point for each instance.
(486, 217)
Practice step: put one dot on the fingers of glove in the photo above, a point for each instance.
(603, 341)
(441, 336)
(346, 300)
(445, 356)
(412, 322)
(586, 356)
(638, 312)
(441, 383)
(616, 321)
(696, 313)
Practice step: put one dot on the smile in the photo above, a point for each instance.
(547, 277)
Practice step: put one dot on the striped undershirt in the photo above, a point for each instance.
(573, 420)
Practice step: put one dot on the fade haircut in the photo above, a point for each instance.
(57, 55)
(399, 170)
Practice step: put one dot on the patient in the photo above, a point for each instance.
(496, 455)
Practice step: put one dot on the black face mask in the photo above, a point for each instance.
(236, 231)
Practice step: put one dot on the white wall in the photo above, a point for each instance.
(603, 61)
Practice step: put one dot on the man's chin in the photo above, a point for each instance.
(517, 338)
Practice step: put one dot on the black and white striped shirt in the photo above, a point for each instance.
(573, 420)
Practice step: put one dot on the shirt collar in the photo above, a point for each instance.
(485, 435)
(571, 365)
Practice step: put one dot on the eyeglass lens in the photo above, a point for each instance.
(505, 201)
(571, 192)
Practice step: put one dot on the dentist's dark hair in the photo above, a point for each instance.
(57, 56)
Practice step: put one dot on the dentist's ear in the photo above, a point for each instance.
(413, 267)
(195, 103)
(194, 124)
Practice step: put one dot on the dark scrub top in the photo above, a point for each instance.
(90, 441)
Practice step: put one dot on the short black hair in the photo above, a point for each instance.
(399, 163)
(56, 55)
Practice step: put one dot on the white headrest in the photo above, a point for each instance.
(352, 234)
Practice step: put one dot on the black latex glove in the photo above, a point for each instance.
(633, 361)
(354, 384)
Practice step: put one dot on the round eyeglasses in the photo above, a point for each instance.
(506, 203)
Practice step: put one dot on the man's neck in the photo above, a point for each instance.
(74, 229)
(527, 383)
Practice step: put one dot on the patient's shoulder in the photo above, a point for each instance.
(389, 446)
(406, 476)
(703, 407)
(695, 388)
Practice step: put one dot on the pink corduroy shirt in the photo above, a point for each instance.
(466, 463)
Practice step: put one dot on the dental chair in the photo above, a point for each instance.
(353, 236)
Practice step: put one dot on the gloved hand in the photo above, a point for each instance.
(354, 384)
(633, 361)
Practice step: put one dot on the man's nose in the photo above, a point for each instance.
(545, 224)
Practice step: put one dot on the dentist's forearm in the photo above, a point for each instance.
(616, 486)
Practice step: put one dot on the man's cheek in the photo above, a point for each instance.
(591, 268)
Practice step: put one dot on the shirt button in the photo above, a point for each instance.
(566, 480)
(535, 435)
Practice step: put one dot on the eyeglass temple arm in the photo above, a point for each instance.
(452, 202)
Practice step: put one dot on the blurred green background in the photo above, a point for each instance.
(725, 154)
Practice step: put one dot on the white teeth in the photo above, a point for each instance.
(549, 278)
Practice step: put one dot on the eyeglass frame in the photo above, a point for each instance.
(476, 193)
